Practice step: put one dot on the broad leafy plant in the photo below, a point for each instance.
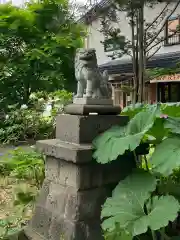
(147, 200)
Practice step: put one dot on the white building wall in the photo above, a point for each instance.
(14, 2)
(95, 37)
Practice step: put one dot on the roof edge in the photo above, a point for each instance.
(93, 13)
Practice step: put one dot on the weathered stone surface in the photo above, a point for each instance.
(83, 129)
(41, 221)
(42, 196)
(68, 213)
(83, 109)
(81, 176)
(89, 229)
(68, 151)
(93, 101)
(74, 205)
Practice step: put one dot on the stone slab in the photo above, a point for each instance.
(77, 153)
(67, 210)
(85, 176)
(73, 204)
(84, 109)
(63, 229)
(93, 101)
(84, 129)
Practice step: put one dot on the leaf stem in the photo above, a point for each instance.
(146, 162)
(135, 158)
(153, 235)
(165, 237)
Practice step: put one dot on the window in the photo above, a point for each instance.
(168, 92)
(172, 35)
(114, 44)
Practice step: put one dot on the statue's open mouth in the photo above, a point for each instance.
(86, 57)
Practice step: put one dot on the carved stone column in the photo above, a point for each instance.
(75, 186)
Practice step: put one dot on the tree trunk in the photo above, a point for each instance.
(134, 94)
(141, 90)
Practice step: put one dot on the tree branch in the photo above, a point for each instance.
(160, 41)
(157, 17)
(159, 31)
(153, 53)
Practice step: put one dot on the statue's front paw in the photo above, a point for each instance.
(79, 96)
(88, 95)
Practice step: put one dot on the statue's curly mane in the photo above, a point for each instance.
(90, 80)
(84, 56)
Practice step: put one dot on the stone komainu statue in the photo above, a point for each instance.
(91, 83)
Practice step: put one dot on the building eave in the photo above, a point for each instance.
(94, 12)
(121, 66)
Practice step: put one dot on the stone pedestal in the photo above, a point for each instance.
(75, 186)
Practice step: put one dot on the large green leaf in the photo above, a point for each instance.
(133, 109)
(166, 156)
(163, 210)
(171, 109)
(118, 234)
(158, 131)
(126, 206)
(169, 187)
(105, 141)
(117, 140)
(173, 124)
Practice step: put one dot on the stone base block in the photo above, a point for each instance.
(68, 214)
(86, 109)
(93, 101)
(86, 176)
(83, 129)
(75, 186)
(62, 229)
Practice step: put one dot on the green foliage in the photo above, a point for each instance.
(169, 109)
(129, 203)
(118, 233)
(158, 72)
(25, 165)
(165, 157)
(37, 46)
(146, 200)
(25, 124)
(29, 123)
(133, 109)
(126, 206)
(25, 168)
(117, 140)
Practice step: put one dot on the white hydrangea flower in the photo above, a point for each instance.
(24, 106)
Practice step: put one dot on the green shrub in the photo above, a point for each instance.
(25, 124)
(30, 123)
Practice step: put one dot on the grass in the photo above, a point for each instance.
(13, 216)
(19, 186)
